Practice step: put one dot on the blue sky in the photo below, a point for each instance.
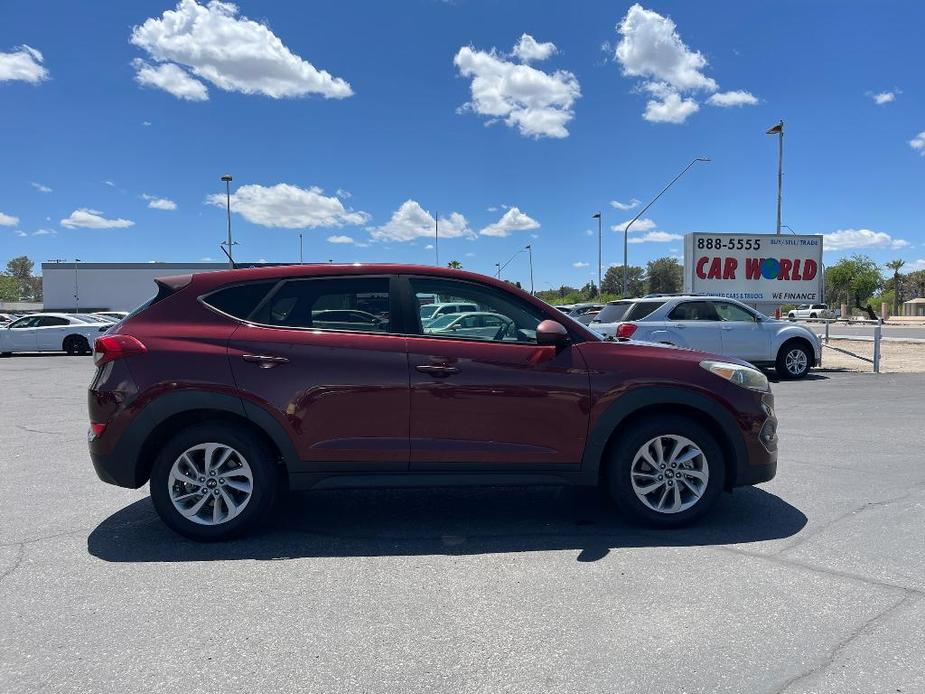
(332, 116)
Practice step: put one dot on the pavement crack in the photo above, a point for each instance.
(20, 555)
(31, 540)
(842, 645)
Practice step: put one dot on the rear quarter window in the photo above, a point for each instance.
(239, 301)
(641, 309)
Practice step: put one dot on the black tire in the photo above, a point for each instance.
(76, 345)
(264, 471)
(813, 315)
(790, 316)
(788, 350)
(6, 354)
(619, 467)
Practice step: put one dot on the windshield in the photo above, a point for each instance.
(443, 321)
(428, 310)
(611, 313)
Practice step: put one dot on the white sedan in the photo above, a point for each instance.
(50, 332)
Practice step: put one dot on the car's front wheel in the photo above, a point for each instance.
(213, 482)
(76, 345)
(667, 472)
(793, 361)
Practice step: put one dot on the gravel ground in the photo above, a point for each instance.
(895, 357)
(811, 583)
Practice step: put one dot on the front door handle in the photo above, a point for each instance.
(727, 327)
(437, 370)
(264, 361)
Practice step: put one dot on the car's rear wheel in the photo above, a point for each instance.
(667, 472)
(213, 482)
(793, 361)
(76, 345)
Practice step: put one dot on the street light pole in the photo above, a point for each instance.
(779, 131)
(626, 229)
(498, 265)
(436, 239)
(76, 286)
(530, 251)
(600, 245)
(227, 179)
(300, 248)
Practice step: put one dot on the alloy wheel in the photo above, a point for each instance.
(669, 473)
(210, 483)
(795, 362)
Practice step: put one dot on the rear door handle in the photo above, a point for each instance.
(727, 327)
(264, 361)
(437, 370)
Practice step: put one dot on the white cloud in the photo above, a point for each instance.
(512, 220)
(669, 107)
(845, 239)
(580, 264)
(651, 48)
(110, 184)
(7, 220)
(411, 221)
(538, 103)
(589, 232)
(156, 203)
(289, 207)
(429, 247)
(20, 233)
(232, 52)
(918, 143)
(739, 97)
(916, 265)
(343, 194)
(146, 123)
(45, 232)
(470, 254)
(170, 78)
(624, 205)
(23, 64)
(655, 237)
(93, 219)
(528, 48)
(644, 224)
(340, 239)
(40, 188)
(881, 98)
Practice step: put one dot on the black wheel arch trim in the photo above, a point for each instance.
(642, 397)
(124, 466)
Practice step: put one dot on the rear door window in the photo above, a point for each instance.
(339, 303)
(694, 310)
(611, 313)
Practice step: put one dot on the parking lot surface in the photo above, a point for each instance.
(814, 582)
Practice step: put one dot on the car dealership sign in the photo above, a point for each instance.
(755, 268)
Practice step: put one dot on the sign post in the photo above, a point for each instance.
(754, 268)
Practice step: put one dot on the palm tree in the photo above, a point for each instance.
(455, 264)
(896, 266)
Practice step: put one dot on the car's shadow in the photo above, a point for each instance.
(409, 522)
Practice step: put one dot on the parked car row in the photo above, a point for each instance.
(72, 333)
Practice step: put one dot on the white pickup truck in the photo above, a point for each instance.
(811, 311)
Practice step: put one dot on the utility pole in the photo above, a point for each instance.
(498, 265)
(779, 131)
(227, 179)
(600, 245)
(530, 250)
(436, 239)
(76, 286)
(300, 248)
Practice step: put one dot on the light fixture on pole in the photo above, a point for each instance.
(626, 229)
(600, 245)
(498, 265)
(784, 226)
(779, 131)
(227, 179)
(300, 248)
(530, 251)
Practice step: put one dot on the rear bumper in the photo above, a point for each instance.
(112, 469)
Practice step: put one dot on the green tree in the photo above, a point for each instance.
(612, 283)
(916, 282)
(455, 264)
(9, 288)
(20, 268)
(855, 278)
(665, 276)
(896, 266)
(589, 291)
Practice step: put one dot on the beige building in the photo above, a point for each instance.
(914, 307)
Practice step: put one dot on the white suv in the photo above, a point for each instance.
(723, 326)
(811, 311)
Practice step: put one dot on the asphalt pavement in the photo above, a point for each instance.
(814, 582)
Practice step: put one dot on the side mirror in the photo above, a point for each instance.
(549, 332)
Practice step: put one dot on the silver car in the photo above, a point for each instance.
(723, 326)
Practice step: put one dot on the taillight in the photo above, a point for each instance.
(111, 347)
(626, 330)
(97, 429)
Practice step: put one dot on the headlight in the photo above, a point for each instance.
(744, 376)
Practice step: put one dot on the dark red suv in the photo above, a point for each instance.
(229, 386)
